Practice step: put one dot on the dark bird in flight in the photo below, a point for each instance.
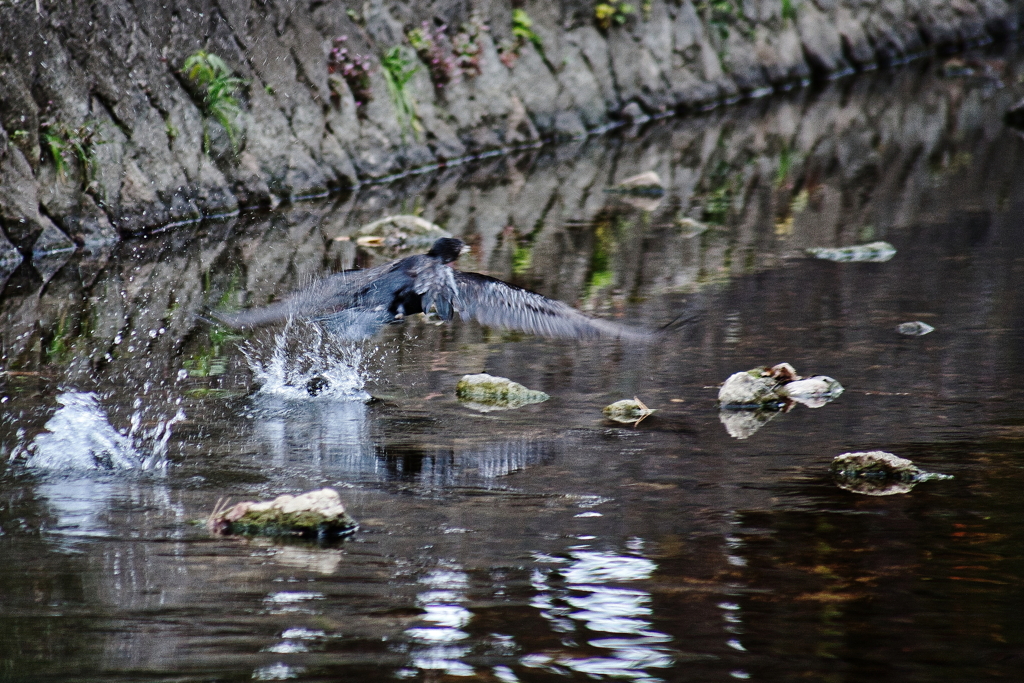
(356, 304)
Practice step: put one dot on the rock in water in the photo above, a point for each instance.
(628, 411)
(914, 329)
(485, 393)
(756, 388)
(316, 514)
(878, 473)
(750, 399)
(875, 252)
(813, 392)
(746, 389)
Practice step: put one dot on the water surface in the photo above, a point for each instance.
(546, 543)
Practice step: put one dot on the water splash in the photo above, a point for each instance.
(80, 437)
(305, 362)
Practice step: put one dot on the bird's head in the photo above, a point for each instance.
(448, 249)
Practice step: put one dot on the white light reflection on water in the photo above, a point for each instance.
(579, 595)
(437, 640)
(277, 672)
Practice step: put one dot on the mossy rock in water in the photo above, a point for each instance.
(485, 393)
(751, 389)
(628, 411)
(777, 387)
(813, 392)
(878, 473)
(316, 514)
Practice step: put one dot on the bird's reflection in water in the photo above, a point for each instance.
(482, 466)
(325, 434)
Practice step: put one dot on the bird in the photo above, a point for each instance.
(356, 304)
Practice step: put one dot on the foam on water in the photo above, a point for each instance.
(302, 353)
(80, 437)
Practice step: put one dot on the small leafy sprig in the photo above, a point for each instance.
(217, 83)
(612, 13)
(80, 142)
(398, 70)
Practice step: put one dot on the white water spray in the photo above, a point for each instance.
(80, 437)
(305, 362)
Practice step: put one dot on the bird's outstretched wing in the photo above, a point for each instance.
(348, 289)
(495, 303)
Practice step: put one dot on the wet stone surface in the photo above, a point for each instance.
(547, 543)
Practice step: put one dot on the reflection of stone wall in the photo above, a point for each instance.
(115, 64)
(852, 162)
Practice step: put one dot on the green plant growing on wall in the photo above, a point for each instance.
(522, 29)
(522, 33)
(788, 10)
(721, 15)
(217, 84)
(398, 70)
(612, 13)
(80, 143)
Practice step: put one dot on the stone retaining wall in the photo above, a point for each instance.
(101, 84)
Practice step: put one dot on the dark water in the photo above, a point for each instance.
(546, 543)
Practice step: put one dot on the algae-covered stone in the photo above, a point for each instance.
(316, 514)
(398, 234)
(914, 329)
(878, 473)
(628, 411)
(776, 386)
(748, 400)
(485, 393)
(874, 252)
(749, 389)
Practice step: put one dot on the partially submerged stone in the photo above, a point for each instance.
(748, 400)
(914, 329)
(756, 388)
(628, 411)
(878, 473)
(874, 252)
(316, 514)
(484, 393)
(399, 234)
(748, 390)
(813, 392)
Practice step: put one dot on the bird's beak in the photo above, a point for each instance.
(465, 249)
